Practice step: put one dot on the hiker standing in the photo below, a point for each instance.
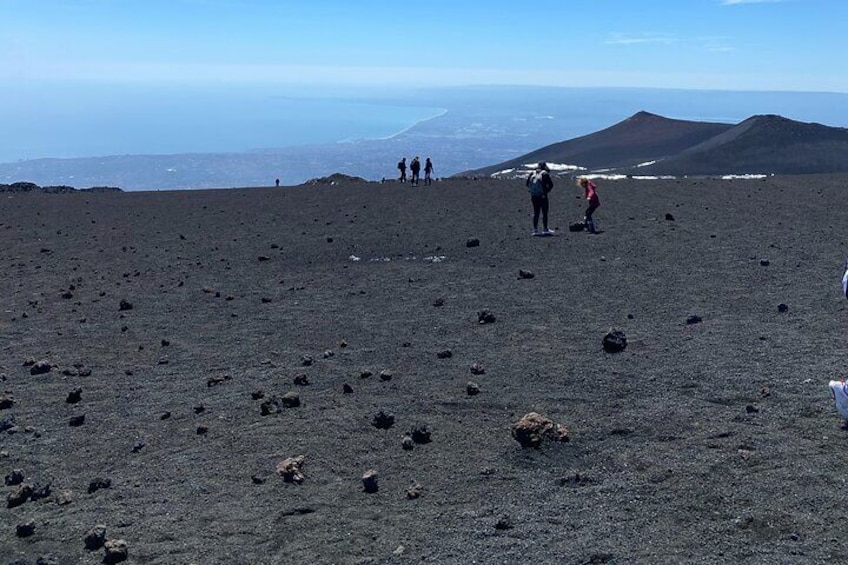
(591, 195)
(415, 167)
(402, 168)
(428, 171)
(539, 184)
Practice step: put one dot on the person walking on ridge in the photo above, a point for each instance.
(539, 184)
(428, 171)
(415, 167)
(591, 195)
(402, 168)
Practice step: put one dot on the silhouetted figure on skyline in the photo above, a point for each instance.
(428, 171)
(402, 168)
(415, 167)
(278, 182)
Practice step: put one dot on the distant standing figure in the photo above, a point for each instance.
(278, 182)
(539, 184)
(415, 167)
(428, 171)
(402, 168)
(591, 194)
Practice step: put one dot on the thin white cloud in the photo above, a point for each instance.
(737, 2)
(640, 39)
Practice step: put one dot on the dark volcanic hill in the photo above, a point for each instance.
(640, 138)
(762, 144)
(647, 144)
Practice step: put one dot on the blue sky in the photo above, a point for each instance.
(715, 44)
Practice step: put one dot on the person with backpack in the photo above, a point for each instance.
(402, 168)
(539, 184)
(591, 195)
(415, 167)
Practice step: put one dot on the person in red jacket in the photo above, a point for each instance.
(591, 195)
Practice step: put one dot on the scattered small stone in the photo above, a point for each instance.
(41, 368)
(125, 305)
(532, 428)
(258, 479)
(751, 409)
(472, 388)
(77, 421)
(301, 380)
(202, 430)
(414, 491)
(269, 407)
(199, 409)
(439, 302)
(7, 400)
(504, 523)
(369, 481)
(99, 483)
(116, 551)
(525, 274)
(485, 317)
(407, 442)
(215, 381)
(257, 394)
(329, 353)
(67, 295)
(385, 375)
(95, 537)
(478, 369)
(164, 415)
(14, 478)
(266, 300)
(19, 496)
(343, 344)
(306, 360)
(7, 423)
(694, 319)
(74, 396)
(25, 530)
(782, 308)
(40, 492)
(399, 550)
(421, 434)
(615, 341)
(472, 242)
(290, 469)
(444, 354)
(64, 498)
(765, 262)
(669, 217)
(138, 446)
(29, 362)
(263, 258)
(290, 400)
(365, 374)
(347, 389)
(383, 420)
(764, 392)
(165, 343)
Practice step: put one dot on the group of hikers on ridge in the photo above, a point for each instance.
(415, 169)
(539, 183)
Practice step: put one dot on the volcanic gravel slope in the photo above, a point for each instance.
(714, 441)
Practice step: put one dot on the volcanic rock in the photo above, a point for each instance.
(99, 483)
(532, 428)
(347, 389)
(782, 308)
(694, 319)
(525, 274)
(7, 400)
(18, 496)
(95, 537)
(290, 400)
(125, 305)
(383, 420)
(669, 217)
(485, 317)
(472, 242)
(615, 341)
(40, 492)
(74, 396)
(76, 421)
(25, 530)
(472, 388)
(290, 469)
(407, 442)
(116, 551)
(301, 380)
(40, 368)
(385, 375)
(270, 406)
(421, 434)
(369, 481)
(444, 354)
(414, 491)
(14, 478)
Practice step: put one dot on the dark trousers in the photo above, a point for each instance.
(540, 204)
(591, 210)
